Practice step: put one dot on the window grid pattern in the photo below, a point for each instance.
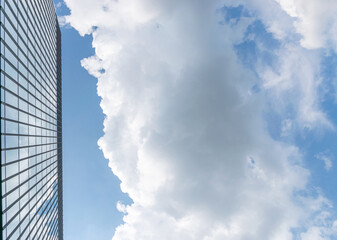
(31, 125)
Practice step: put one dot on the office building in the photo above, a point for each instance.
(31, 120)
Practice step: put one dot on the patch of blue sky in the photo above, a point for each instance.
(275, 122)
(233, 14)
(258, 47)
(311, 144)
(323, 141)
(316, 217)
(90, 189)
(329, 82)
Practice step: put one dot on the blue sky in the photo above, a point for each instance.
(90, 188)
(213, 115)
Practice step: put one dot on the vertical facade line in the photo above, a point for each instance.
(31, 121)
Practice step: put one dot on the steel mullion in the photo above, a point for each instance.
(31, 188)
(16, 174)
(26, 135)
(48, 50)
(53, 220)
(28, 70)
(18, 212)
(43, 216)
(25, 158)
(15, 41)
(28, 92)
(54, 229)
(9, 192)
(28, 124)
(49, 214)
(37, 35)
(36, 145)
(28, 113)
(29, 213)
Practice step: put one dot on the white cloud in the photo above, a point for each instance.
(315, 20)
(286, 127)
(324, 228)
(183, 135)
(58, 5)
(323, 156)
(293, 81)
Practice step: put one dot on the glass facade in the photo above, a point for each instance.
(31, 120)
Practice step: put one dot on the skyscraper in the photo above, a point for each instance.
(31, 120)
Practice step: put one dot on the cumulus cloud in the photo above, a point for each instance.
(315, 21)
(289, 69)
(323, 156)
(185, 133)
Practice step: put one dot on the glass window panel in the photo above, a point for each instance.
(10, 71)
(13, 210)
(25, 234)
(12, 169)
(23, 93)
(12, 183)
(22, 68)
(11, 99)
(32, 141)
(32, 120)
(23, 128)
(23, 163)
(2, 99)
(3, 157)
(9, 40)
(23, 105)
(31, 99)
(31, 130)
(23, 82)
(25, 222)
(23, 176)
(31, 88)
(38, 131)
(31, 109)
(17, 231)
(10, 57)
(23, 117)
(23, 153)
(12, 127)
(11, 155)
(32, 172)
(3, 138)
(11, 113)
(2, 15)
(23, 141)
(11, 85)
(39, 157)
(3, 172)
(32, 151)
(38, 113)
(10, 15)
(38, 121)
(11, 141)
(24, 39)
